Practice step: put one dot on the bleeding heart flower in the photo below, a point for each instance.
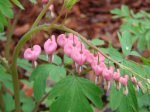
(98, 68)
(124, 80)
(69, 49)
(50, 46)
(108, 73)
(73, 39)
(79, 57)
(32, 54)
(116, 75)
(62, 40)
(89, 56)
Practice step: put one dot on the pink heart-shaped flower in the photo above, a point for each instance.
(50, 46)
(32, 54)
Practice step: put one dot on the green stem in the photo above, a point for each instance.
(16, 53)
(17, 50)
(42, 14)
(9, 37)
(47, 27)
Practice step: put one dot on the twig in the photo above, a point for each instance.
(38, 104)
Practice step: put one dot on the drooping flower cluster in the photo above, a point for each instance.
(77, 51)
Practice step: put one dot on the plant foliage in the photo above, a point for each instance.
(72, 94)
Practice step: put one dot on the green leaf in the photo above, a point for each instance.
(72, 93)
(126, 42)
(70, 3)
(2, 36)
(28, 83)
(5, 11)
(114, 53)
(147, 36)
(6, 8)
(123, 12)
(39, 86)
(143, 100)
(56, 72)
(129, 103)
(9, 102)
(40, 75)
(135, 53)
(3, 19)
(28, 105)
(97, 42)
(16, 2)
(142, 70)
(1, 27)
(26, 65)
(124, 103)
(67, 60)
(113, 95)
(145, 61)
(57, 60)
(142, 44)
(44, 57)
(27, 102)
(6, 78)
